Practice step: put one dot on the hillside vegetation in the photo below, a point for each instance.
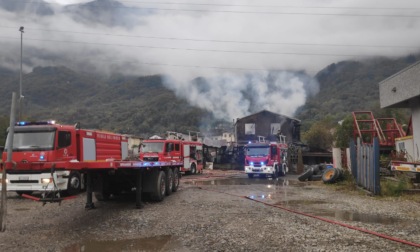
(351, 86)
(135, 105)
(143, 106)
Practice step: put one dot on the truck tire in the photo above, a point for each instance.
(250, 175)
(159, 186)
(74, 184)
(169, 181)
(306, 175)
(176, 180)
(315, 178)
(330, 175)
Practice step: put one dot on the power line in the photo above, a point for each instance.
(257, 12)
(214, 41)
(244, 5)
(193, 49)
(196, 66)
(288, 13)
(272, 6)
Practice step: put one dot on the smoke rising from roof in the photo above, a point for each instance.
(232, 96)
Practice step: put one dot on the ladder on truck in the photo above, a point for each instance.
(366, 127)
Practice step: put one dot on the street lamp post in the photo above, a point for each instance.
(20, 82)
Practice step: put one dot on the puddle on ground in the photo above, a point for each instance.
(246, 181)
(306, 206)
(158, 243)
(296, 203)
(277, 193)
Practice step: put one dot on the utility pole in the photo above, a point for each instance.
(20, 82)
(9, 147)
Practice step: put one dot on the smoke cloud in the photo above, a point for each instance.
(232, 96)
(230, 58)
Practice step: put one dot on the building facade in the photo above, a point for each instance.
(402, 90)
(265, 125)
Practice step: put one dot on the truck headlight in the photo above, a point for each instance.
(46, 180)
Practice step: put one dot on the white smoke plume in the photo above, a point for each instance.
(232, 96)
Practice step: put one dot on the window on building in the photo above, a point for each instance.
(275, 128)
(249, 128)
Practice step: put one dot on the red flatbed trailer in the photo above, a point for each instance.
(52, 157)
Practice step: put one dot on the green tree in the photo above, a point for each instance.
(344, 132)
(319, 136)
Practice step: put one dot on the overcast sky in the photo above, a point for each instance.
(224, 41)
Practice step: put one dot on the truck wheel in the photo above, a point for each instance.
(306, 175)
(193, 169)
(250, 175)
(176, 180)
(330, 175)
(74, 183)
(169, 181)
(159, 186)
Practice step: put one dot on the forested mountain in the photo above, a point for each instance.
(136, 105)
(350, 86)
(143, 106)
(35, 7)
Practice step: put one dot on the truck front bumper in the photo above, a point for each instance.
(259, 170)
(35, 182)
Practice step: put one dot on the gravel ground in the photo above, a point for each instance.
(213, 215)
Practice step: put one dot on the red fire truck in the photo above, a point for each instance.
(266, 158)
(53, 158)
(189, 153)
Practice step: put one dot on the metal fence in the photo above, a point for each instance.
(365, 165)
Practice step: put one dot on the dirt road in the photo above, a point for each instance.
(216, 211)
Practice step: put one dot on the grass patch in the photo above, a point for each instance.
(394, 187)
(391, 187)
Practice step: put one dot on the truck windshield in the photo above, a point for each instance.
(257, 151)
(33, 141)
(152, 147)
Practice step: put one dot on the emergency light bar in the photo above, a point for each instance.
(24, 123)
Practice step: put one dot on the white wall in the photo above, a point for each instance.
(415, 113)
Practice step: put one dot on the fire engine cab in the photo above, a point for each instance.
(190, 153)
(266, 158)
(36, 145)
